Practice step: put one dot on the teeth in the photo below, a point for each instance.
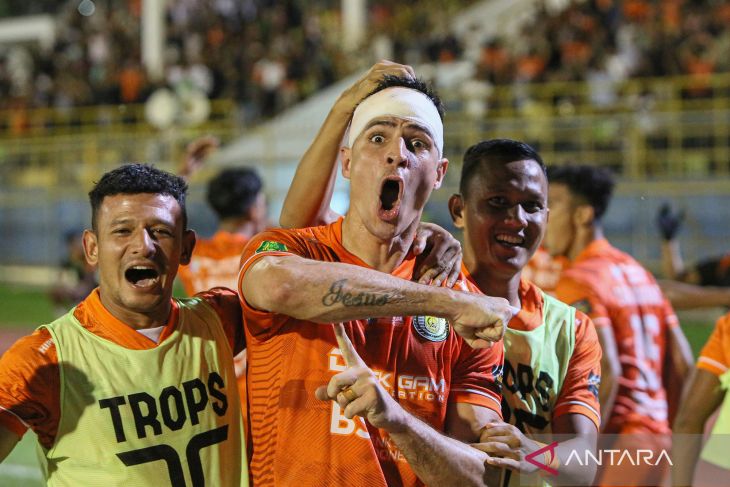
(510, 239)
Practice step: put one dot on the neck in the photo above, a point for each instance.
(583, 238)
(493, 285)
(241, 226)
(139, 320)
(380, 254)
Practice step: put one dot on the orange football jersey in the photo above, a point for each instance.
(615, 290)
(215, 263)
(419, 360)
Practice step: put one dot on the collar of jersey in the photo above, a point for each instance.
(92, 314)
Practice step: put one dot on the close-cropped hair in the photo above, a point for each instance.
(233, 191)
(138, 179)
(496, 150)
(591, 183)
(391, 81)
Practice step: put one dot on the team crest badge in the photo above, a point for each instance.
(270, 246)
(594, 382)
(431, 328)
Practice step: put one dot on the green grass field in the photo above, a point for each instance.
(24, 309)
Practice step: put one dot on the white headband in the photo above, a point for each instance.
(399, 102)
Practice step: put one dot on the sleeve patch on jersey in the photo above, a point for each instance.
(498, 374)
(271, 246)
(594, 382)
(583, 305)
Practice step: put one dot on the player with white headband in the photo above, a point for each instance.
(401, 400)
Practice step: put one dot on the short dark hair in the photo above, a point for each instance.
(136, 179)
(591, 183)
(232, 192)
(496, 150)
(391, 81)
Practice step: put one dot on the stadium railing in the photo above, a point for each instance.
(644, 128)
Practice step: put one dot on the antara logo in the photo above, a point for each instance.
(620, 457)
(614, 457)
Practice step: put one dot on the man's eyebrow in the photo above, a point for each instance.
(420, 127)
(121, 221)
(127, 220)
(379, 121)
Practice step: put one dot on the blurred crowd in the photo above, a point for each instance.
(268, 55)
(265, 54)
(611, 40)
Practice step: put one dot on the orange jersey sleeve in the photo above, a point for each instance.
(579, 394)
(715, 355)
(30, 387)
(470, 370)
(227, 306)
(263, 324)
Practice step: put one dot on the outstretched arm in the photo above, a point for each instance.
(307, 202)
(327, 292)
(689, 296)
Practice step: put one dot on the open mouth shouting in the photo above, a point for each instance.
(391, 194)
(142, 276)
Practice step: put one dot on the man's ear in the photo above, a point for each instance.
(91, 247)
(443, 165)
(456, 209)
(188, 244)
(346, 158)
(584, 215)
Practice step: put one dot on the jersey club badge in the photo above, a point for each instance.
(270, 246)
(431, 328)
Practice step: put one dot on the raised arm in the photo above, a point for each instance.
(307, 202)
(327, 292)
(196, 153)
(669, 222)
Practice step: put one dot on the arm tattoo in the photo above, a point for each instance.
(338, 294)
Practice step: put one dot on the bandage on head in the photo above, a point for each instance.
(399, 102)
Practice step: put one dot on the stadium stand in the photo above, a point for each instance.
(629, 100)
